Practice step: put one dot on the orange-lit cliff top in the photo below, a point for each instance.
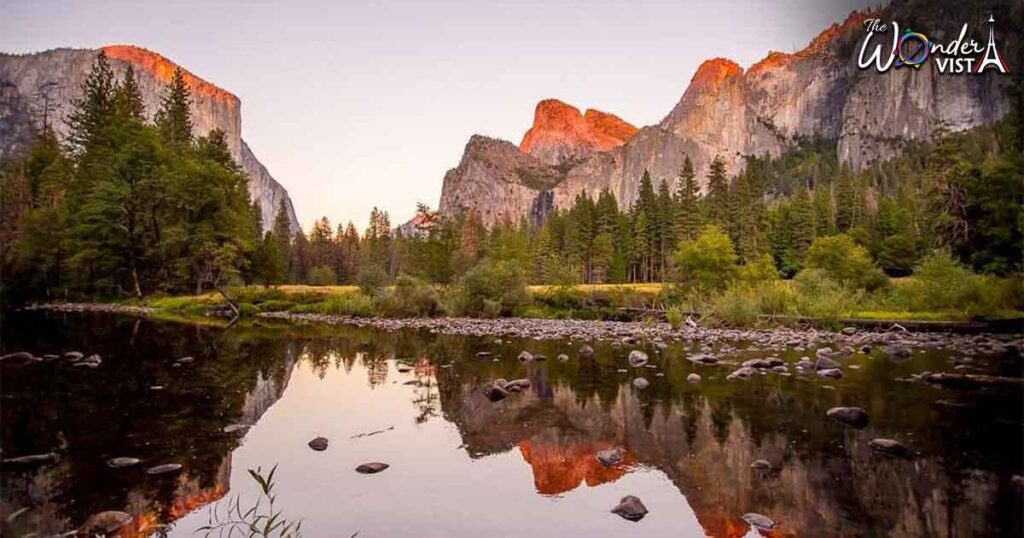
(820, 43)
(163, 69)
(555, 122)
(714, 72)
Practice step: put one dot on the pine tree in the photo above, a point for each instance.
(688, 221)
(92, 113)
(281, 234)
(127, 100)
(173, 119)
(717, 199)
(824, 224)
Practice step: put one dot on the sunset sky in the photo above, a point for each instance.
(356, 104)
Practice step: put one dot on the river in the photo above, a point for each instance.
(462, 465)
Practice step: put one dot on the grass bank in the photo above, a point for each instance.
(765, 304)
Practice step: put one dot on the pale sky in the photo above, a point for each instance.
(352, 104)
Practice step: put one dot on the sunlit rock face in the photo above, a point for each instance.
(45, 84)
(818, 91)
(562, 135)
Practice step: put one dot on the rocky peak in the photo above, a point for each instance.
(712, 73)
(561, 134)
(162, 69)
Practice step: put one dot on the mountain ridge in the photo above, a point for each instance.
(726, 110)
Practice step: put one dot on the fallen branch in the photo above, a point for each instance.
(372, 432)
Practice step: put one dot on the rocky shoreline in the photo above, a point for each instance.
(897, 342)
(108, 308)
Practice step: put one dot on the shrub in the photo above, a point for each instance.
(942, 283)
(675, 315)
(709, 262)
(821, 298)
(897, 254)
(410, 297)
(845, 262)
(775, 298)
(344, 304)
(758, 270)
(736, 306)
(371, 279)
(322, 275)
(491, 289)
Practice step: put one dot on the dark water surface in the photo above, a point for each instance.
(464, 466)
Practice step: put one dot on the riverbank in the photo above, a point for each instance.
(895, 341)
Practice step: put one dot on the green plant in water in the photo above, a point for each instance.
(260, 520)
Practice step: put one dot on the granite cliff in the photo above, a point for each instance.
(46, 83)
(726, 110)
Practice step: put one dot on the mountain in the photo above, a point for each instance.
(817, 92)
(561, 134)
(45, 84)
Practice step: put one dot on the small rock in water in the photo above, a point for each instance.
(319, 444)
(105, 523)
(484, 354)
(849, 331)
(118, 463)
(761, 465)
(611, 456)
(539, 357)
(853, 416)
(185, 360)
(693, 378)
(403, 368)
(889, 446)
(759, 522)
(825, 363)
(586, 351)
(18, 357)
(163, 469)
(563, 357)
(518, 383)
(372, 467)
(865, 349)
(495, 393)
(833, 373)
(897, 353)
(742, 373)
(630, 507)
(32, 459)
(525, 356)
(74, 356)
(641, 383)
(756, 363)
(637, 358)
(232, 428)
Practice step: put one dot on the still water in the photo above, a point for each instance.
(461, 465)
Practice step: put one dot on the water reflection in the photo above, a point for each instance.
(689, 448)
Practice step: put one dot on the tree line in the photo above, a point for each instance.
(131, 207)
(125, 206)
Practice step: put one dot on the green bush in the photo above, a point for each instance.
(344, 304)
(736, 307)
(676, 316)
(410, 297)
(491, 289)
(371, 279)
(941, 283)
(845, 262)
(322, 275)
(775, 298)
(758, 270)
(821, 298)
(708, 263)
